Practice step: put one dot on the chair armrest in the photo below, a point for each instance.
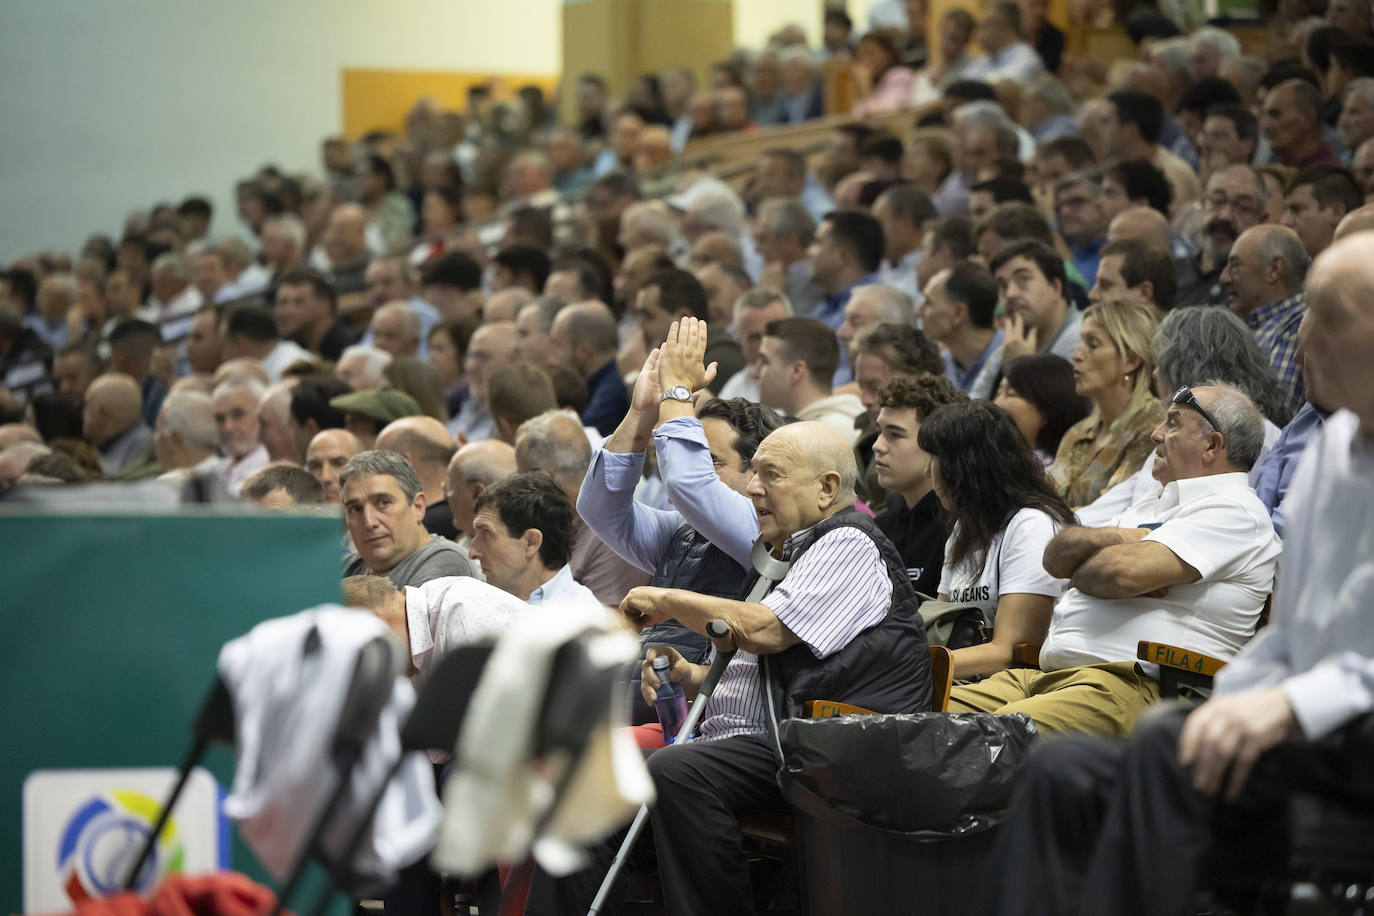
(1167, 656)
(825, 709)
(1025, 655)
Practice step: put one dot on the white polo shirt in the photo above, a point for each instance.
(1215, 524)
(452, 611)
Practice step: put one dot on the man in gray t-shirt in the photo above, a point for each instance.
(384, 505)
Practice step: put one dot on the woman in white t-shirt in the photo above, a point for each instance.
(1005, 511)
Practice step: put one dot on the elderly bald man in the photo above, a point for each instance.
(492, 345)
(274, 422)
(429, 446)
(843, 615)
(112, 422)
(395, 328)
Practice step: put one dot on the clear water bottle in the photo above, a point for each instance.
(671, 703)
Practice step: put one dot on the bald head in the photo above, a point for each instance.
(555, 443)
(239, 369)
(345, 237)
(325, 457)
(1339, 328)
(716, 248)
(584, 337)
(113, 404)
(492, 346)
(423, 440)
(14, 433)
(1144, 224)
(396, 329)
(803, 473)
(506, 304)
(473, 468)
(1361, 219)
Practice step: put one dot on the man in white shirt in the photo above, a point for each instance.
(236, 424)
(1290, 712)
(522, 536)
(795, 368)
(1191, 567)
(435, 618)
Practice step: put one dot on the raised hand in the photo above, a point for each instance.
(647, 389)
(681, 362)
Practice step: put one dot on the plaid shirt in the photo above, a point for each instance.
(1276, 328)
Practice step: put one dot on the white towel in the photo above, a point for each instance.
(286, 712)
(497, 792)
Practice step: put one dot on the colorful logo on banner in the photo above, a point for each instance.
(102, 839)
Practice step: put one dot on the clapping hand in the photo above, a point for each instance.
(683, 353)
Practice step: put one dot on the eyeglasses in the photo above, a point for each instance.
(1184, 397)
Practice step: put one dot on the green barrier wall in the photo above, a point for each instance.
(112, 625)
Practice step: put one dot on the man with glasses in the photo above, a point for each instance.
(1190, 565)
(703, 457)
(1234, 202)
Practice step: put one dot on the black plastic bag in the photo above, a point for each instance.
(925, 774)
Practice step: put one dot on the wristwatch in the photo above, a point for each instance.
(677, 393)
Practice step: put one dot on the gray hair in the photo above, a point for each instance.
(720, 208)
(1241, 425)
(894, 306)
(982, 113)
(788, 216)
(235, 252)
(652, 219)
(1172, 54)
(549, 307)
(1285, 246)
(289, 225)
(235, 382)
(170, 260)
(375, 364)
(1224, 43)
(379, 461)
(1052, 92)
(760, 297)
(1196, 344)
(191, 414)
(555, 443)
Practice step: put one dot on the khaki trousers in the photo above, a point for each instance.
(1097, 699)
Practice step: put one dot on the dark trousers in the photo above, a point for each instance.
(703, 790)
(1115, 827)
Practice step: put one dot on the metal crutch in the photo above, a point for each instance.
(771, 572)
(718, 630)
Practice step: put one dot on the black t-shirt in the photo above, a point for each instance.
(919, 534)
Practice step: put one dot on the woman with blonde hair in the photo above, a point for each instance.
(1112, 367)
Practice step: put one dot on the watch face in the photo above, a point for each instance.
(678, 393)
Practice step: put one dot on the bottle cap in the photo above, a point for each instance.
(661, 662)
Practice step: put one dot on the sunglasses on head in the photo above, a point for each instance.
(1184, 397)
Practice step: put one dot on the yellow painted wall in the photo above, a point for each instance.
(379, 99)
